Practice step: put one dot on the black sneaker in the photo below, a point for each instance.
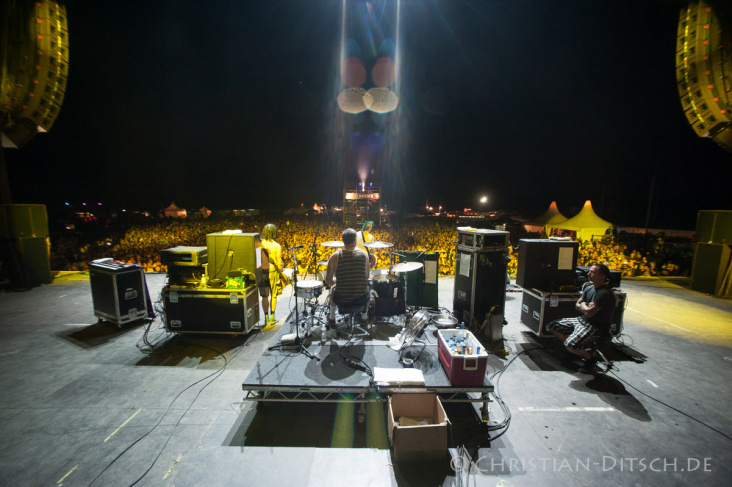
(589, 365)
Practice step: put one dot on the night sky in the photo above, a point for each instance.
(232, 104)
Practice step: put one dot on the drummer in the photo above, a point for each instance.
(350, 266)
(365, 236)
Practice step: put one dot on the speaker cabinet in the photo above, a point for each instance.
(714, 226)
(232, 251)
(711, 262)
(38, 67)
(27, 261)
(23, 221)
(702, 67)
(479, 295)
(546, 264)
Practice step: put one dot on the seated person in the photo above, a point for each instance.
(350, 267)
(596, 306)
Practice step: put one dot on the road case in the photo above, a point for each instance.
(209, 310)
(539, 308)
(118, 291)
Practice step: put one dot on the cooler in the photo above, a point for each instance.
(462, 370)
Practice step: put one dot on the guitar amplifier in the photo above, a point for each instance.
(184, 256)
(207, 310)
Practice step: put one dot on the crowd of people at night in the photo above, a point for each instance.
(140, 243)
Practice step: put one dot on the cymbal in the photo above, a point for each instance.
(322, 262)
(407, 267)
(378, 245)
(332, 243)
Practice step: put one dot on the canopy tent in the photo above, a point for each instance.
(550, 217)
(586, 223)
(174, 212)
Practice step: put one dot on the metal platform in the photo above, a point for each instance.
(289, 375)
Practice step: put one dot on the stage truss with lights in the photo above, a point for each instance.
(362, 204)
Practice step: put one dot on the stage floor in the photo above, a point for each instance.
(81, 404)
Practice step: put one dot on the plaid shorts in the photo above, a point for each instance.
(579, 330)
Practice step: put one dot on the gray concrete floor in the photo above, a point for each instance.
(82, 404)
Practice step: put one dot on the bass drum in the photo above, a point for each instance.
(389, 294)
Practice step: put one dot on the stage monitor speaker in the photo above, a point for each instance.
(232, 251)
(711, 263)
(23, 221)
(546, 264)
(714, 226)
(27, 261)
(479, 295)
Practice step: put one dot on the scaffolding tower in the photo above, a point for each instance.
(362, 204)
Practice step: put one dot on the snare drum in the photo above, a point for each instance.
(309, 289)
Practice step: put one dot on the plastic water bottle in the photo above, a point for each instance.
(462, 325)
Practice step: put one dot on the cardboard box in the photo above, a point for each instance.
(462, 370)
(422, 441)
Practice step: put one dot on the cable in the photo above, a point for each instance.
(219, 372)
(506, 423)
(671, 407)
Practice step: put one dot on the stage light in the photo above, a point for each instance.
(353, 72)
(380, 100)
(383, 72)
(351, 100)
(484, 199)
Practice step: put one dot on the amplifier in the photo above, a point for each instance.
(205, 310)
(546, 264)
(232, 251)
(478, 238)
(184, 256)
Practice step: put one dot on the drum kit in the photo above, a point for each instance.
(387, 290)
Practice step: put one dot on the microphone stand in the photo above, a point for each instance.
(298, 340)
(314, 251)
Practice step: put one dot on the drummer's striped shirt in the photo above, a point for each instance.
(352, 275)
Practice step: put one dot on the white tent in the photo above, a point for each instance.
(586, 223)
(550, 217)
(174, 212)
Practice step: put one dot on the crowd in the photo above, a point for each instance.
(141, 244)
